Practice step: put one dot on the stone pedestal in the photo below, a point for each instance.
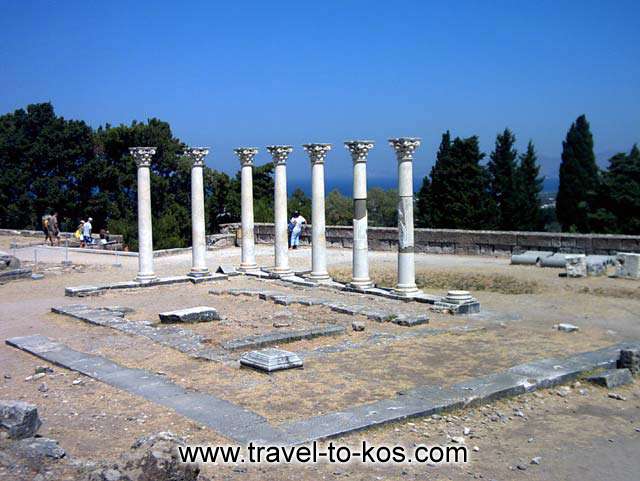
(280, 153)
(359, 150)
(628, 265)
(198, 231)
(404, 148)
(317, 154)
(142, 156)
(576, 265)
(248, 255)
(271, 359)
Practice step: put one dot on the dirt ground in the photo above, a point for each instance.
(583, 435)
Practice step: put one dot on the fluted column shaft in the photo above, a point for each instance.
(248, 254)
(317, 154)
(198, 230)
(404, 149)
(142, 156)
(280, 153)
(359, 150)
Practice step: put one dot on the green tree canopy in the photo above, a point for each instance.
(502, 169)
(619, 196)
(338, 209)
(528, 184)
(382, 207)
(40, 158)
(579, 178)
(301, 203)
(458, 195)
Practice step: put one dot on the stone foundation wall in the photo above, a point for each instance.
(63, 235)
(453, 241)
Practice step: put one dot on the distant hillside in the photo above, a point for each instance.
(345, 185)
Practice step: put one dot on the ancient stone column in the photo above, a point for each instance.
(317, 154)
(280, 153)
(199, 241)
(248, 255)
(359, 150)
(404, 148)
(142, 156)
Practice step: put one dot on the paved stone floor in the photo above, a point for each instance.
(578, 436)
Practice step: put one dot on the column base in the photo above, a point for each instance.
(197, 273)
(146, 278)
(248, 267)
(282, 272)
(361, 284)
(319, 276)
(406, 290)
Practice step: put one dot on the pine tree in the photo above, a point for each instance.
(459, 195)
(528, 187)
(579, 178)
(503, 168)
(619, 196)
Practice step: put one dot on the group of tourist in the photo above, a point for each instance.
(83, 233)
(51, 228)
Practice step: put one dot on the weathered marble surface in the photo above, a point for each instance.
(19, 419)
(190, 314)
(270, 360)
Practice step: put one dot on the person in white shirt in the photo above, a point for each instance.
(297, 221)
(86, 231)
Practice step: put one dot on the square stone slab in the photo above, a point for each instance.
(612, 378)
(191, 314)
(227, 269)
(271, 359)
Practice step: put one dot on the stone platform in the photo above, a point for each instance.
(243, 425)
(81, 291)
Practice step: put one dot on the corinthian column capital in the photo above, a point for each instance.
(317, 152)
(246, 155)
(405, 147)
(280, 153)
(142, 155)
(197, 155)
(359, 149)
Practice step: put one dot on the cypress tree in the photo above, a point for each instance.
(579, 178)
(459, 194)
(422, 204)
(529, 186)
(434, 194)
(502, 168)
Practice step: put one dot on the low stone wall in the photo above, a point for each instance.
(117, 238)
(453, 241)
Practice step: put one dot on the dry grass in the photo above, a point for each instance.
(618, 292)
(501, 283)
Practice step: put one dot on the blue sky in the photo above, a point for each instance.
(227, 74)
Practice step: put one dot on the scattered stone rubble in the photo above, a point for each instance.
(284, 299)
(611, 378)
(10, 268)
(152, 458)
(630, 359)
(191, 314)
(628, 265)
(566, 327)
(576, 265)
(458, 302)
(19, 419)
